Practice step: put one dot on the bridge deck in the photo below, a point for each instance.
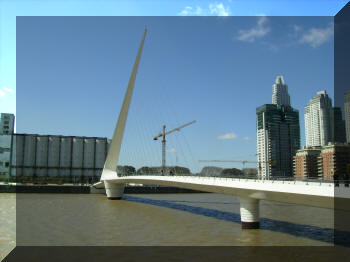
(319, 194)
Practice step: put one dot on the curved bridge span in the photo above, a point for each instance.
(249, 191)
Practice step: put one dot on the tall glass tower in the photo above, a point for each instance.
(278, 134)
(347, 115)
(319, 128)
(280, 94)
(339, 125)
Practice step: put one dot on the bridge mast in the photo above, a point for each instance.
(109, 169)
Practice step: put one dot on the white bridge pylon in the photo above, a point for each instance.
(249, 191)
(115, 191)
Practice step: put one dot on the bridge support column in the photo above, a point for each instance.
(114, 191)
(249, 213)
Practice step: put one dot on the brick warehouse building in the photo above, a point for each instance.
(334, 162)
(306, 162)
(328, 162)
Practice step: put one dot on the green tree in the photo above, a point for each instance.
(125, 170)
(228, 172)
(179, 170)
(211, 171)
(145, 170)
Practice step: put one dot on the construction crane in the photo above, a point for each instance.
(163, 134)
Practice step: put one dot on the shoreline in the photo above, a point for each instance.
(87, 189)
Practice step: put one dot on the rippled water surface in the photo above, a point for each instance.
(156, 219)
(7, 223)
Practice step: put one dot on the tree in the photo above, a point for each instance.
(129, 170)
(250, 171)
(175, 170)
(227, 172)
(125, 170)
(211, 171)
(179, 170)
(145, 170)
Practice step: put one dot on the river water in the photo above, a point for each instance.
(156, 219)
(7, 223)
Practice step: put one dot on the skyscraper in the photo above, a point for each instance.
(280, 94)
(278, 134)
(347, 115)
(339, 126)
(318, 120)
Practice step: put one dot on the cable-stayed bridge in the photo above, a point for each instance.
(249, 191)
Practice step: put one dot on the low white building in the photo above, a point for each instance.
(5, 153)
(58, 156)
(7, 123)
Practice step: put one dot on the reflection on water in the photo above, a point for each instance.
(200, 202)
(312, 232)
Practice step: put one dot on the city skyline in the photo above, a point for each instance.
(204, 84)
(64, 70)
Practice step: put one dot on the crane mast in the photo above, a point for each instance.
(163, 134)
(163, 151)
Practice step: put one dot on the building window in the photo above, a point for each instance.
(7, 164)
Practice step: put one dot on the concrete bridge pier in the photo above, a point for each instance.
(249, 209)
(114, 191)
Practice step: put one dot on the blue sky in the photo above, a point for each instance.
(72, 72)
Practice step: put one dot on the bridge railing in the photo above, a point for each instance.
(289, 180)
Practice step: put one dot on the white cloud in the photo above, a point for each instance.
(317, 36)
(219, 9)
(10, 90)
(296, 28)
(227, 136)
(171, 150)
(246, 138)
(295, 31)
(260, 30)
(2, 94)
(216, 9)
(189, 10)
